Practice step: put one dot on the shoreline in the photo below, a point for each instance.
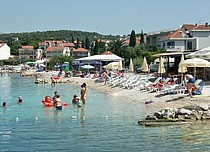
(135, 95)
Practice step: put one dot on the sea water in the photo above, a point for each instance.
(103, 124)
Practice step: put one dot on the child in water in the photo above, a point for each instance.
(76, 100)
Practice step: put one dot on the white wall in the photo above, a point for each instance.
(200, 34)
(202, 43)
(4, 51)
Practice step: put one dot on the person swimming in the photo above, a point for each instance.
(4, 104)
(75, 99)
(20, 99)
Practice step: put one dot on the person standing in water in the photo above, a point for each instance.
(58, 102)
(83, 92)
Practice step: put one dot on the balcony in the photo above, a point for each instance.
(173, 49)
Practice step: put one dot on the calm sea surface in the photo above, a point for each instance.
(103, 124)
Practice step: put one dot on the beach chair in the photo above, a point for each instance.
(200, 88)
(138, 83)
(148, 85)
(138, 78)
(130, 80)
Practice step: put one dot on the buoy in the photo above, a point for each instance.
(17, 119)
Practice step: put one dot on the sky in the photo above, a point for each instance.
(115, 17)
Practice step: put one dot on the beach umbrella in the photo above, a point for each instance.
(87, 67)
(161, 68)
(112, 65)
(182, 69)
(195, 62)
(120, 65)
(145, 65)
(131, 65)
(96, 63)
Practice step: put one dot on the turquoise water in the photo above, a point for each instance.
(103, 124)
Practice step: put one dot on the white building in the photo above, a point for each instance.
(4, 51)
(188, 38)
(57, 50)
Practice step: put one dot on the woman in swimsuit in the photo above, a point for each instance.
(83, 92)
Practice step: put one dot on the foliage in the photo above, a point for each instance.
(142, 37)
(11, 61)
(87, 43)
(116, 47)
(139, 51)
(132, 39)
(33, 38)
(60, 59)
(95, 48)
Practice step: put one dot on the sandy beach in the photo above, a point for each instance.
(135, 95)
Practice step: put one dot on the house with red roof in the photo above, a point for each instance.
(57, 50)
(27, 52)
(189, 37)
(80, 53)
(4, 51)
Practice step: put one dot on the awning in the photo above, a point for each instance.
(111, 57)
(203, 53)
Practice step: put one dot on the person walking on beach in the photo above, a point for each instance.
(83, 92)
(189, 81)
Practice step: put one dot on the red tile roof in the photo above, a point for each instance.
(2, 44)
(107, 53)
(81, 50)
(28, 47)
(185, 27)
(55, 48)
(68, 44)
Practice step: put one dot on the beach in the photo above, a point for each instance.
(141, 96)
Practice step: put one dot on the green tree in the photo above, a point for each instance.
(78, 44)
(132, 39)
(116, 47)
(96, 48)
(72, 39)
(60, 59)
(87, 43)
(83, 44)
(142, 37)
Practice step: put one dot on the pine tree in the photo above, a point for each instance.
(72, 39)
(96, 48)
(78, 43)
(87, 43)
(142, 37)
(132, 39)
(83, 44)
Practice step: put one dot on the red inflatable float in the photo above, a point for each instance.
(49, 102)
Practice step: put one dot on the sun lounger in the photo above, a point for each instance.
(200, 88)
(147, 85)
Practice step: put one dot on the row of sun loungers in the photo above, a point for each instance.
(144, 82)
